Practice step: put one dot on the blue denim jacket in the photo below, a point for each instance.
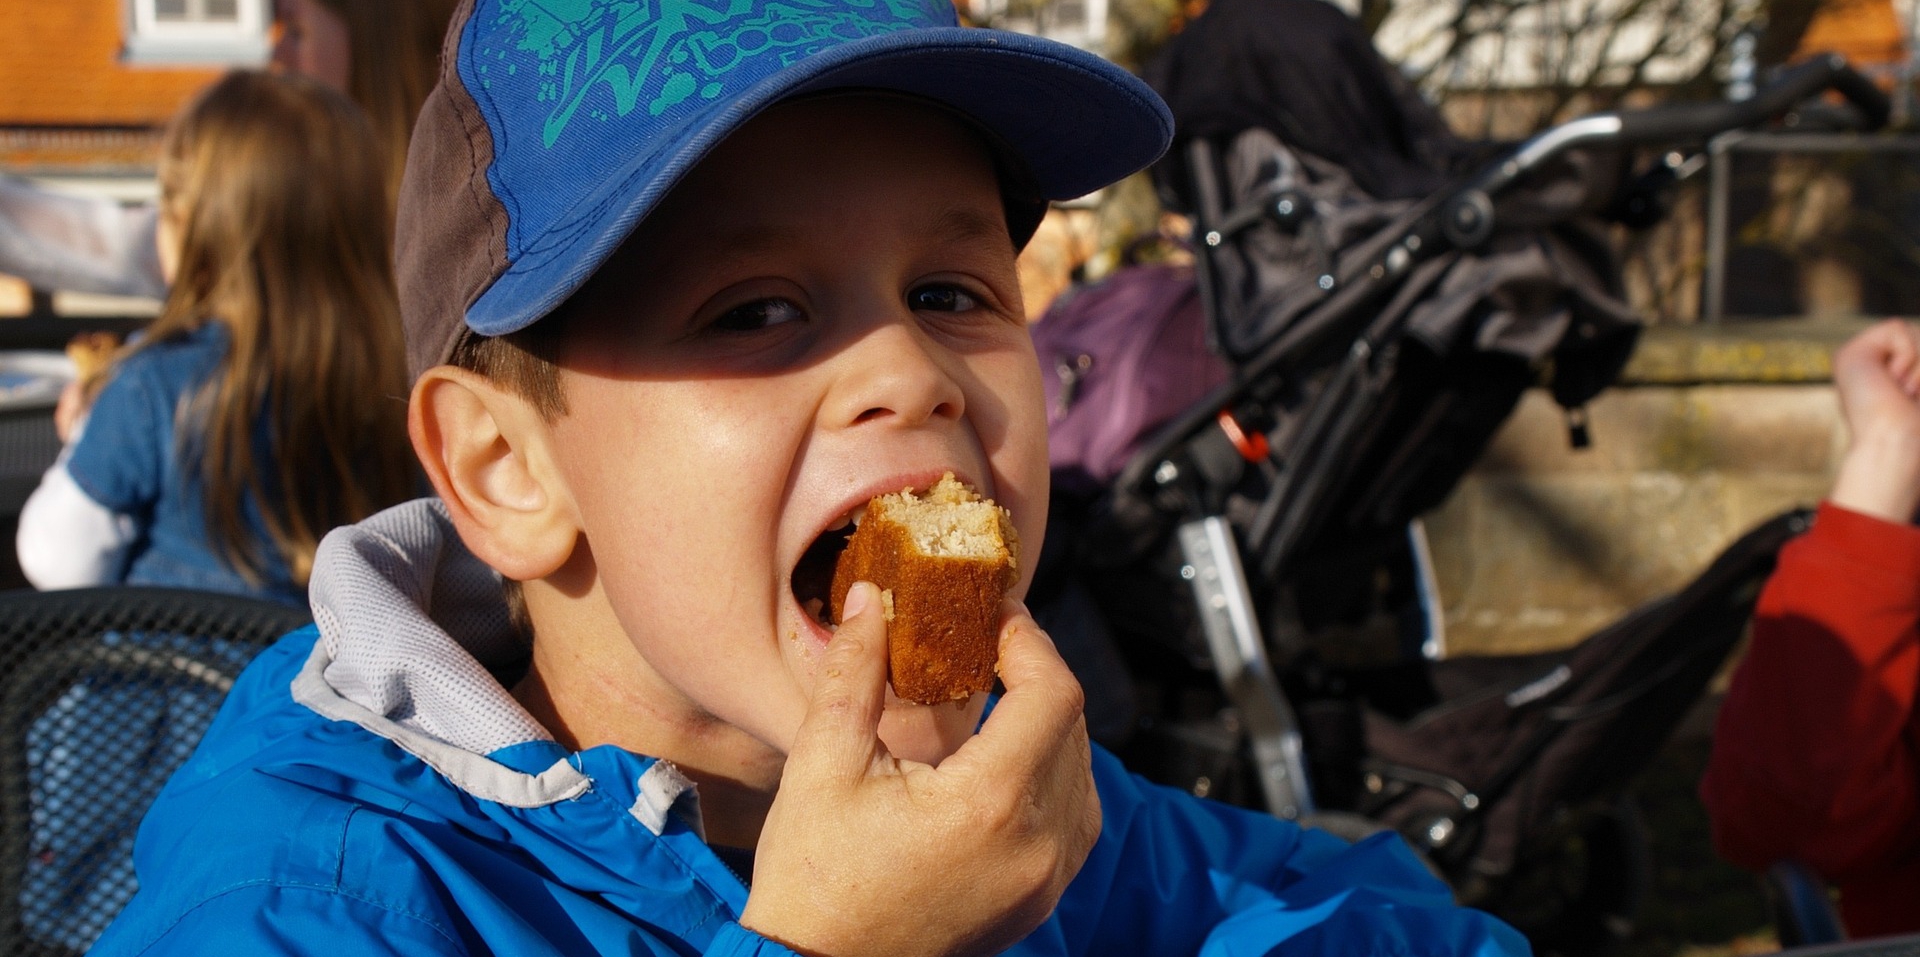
(127, 460)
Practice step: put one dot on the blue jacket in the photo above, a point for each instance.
(371, 788)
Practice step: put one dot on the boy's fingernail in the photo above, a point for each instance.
(859, 598)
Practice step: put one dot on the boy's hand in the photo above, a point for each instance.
(1877, 376)
(866, 854)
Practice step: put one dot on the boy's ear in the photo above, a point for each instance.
(487, 452)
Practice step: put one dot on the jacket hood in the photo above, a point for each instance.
(389, 596)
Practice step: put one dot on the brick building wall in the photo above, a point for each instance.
(69, 106)
(60, 66)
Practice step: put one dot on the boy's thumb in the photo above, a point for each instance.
(841, 730)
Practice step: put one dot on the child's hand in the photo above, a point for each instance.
(1877, 376)
(866, 854)
(71, 407)
(91, 353)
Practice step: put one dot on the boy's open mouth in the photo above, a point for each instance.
(813, 577)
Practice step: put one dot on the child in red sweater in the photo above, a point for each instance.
(1816, 758)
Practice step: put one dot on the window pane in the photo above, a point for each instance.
(197, 11)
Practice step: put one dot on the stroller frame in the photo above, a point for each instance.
(1215, 560)
(1230, 566)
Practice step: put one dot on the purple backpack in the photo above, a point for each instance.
(1120, 358)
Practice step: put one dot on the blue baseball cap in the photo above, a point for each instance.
(559, 124)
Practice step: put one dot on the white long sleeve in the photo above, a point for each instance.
(66, 539)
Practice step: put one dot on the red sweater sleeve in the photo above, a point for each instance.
(1814, 755)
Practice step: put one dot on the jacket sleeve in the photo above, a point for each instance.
(1813, 759)
(286, 921)
(1172, 873)
(65, 539)
(120, 457)
(90, 508)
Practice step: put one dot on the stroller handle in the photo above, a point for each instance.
(1679, 122)
(1460, 219)
(1694, 120)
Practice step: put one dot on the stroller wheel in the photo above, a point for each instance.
(1580, 895)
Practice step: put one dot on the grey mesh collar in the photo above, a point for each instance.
(390, 595)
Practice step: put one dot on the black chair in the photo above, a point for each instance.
(104, 692)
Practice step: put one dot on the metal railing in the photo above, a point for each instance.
(1721, 151)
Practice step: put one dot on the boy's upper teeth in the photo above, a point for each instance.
(852, 517)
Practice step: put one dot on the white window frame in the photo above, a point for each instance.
(1088, 32)
(150, 41)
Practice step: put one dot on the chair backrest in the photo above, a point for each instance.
(104, 692)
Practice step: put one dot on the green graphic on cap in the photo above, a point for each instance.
(658, 54)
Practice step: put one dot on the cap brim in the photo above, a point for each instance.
(1076, 121)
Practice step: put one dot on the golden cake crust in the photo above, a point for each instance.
(943, 636)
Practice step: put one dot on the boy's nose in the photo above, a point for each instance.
(895, 372)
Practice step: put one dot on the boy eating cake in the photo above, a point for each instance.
(686, 287)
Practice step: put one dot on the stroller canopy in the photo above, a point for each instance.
(1307, 71)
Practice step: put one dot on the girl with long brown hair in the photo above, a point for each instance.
(266, 403)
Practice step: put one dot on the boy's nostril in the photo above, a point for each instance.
(874, 413)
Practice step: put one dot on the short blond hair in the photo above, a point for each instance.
(525, 363)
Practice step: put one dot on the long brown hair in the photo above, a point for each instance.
(281, 211)
(393, 62)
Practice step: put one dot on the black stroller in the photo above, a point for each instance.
(1379, 295)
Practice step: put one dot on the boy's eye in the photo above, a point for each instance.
(759, 314)
(941, 299)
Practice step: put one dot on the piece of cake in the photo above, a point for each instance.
(943, 561)
(91, 352)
